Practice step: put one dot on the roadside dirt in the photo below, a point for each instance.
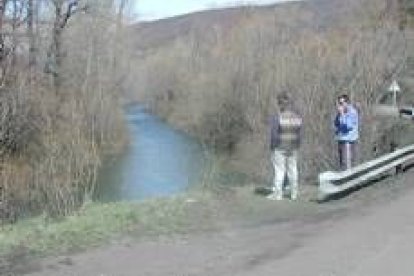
(368, 232)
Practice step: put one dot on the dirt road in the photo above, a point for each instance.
(354, 238)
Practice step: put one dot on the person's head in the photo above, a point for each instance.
(283, 101)
(343, 100)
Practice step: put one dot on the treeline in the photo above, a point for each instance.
(406, 15)
(220, 84)
(62, 63)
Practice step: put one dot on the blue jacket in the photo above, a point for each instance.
(347, 125)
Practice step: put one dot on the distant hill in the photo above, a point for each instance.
(302, 14)
(311, 13)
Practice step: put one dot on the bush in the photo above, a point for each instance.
(224, 128)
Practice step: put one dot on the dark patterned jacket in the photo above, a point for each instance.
(286, 131)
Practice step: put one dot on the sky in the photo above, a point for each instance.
(157, 9)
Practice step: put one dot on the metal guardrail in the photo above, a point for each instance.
(406, 112)
(331, 183)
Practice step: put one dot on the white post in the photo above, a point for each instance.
(394, 88)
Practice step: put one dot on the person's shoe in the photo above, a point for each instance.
(275, 196)
(294, 196)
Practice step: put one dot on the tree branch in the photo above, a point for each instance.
(72, 10)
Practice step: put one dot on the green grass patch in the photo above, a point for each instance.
(97, 223)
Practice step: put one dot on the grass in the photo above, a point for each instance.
(233, 202)
(97, 223)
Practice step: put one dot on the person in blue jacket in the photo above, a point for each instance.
(346, 131)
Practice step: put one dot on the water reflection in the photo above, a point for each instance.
(160, 161)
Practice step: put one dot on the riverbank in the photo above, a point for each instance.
(98, 224)
(363, 234)
(193, 213)
(159, 162)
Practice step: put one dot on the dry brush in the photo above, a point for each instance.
(221, 84)
(62, 69)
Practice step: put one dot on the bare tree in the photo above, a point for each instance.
(63, 11)
(32, 41)
(52, 138)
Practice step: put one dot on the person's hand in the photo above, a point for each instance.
(341, 109)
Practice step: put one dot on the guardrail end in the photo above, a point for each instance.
(326, 187)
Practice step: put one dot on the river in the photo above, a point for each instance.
(159, 161)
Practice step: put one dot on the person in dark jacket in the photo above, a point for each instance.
(285, 141)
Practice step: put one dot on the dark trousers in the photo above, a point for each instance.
(346, 152)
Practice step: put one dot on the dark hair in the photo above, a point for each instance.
(283, 97)
(345, 97)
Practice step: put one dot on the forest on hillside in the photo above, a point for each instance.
(220, 82)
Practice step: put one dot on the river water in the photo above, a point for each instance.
(160, 161)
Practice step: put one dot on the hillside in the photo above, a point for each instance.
(216, 73)
(304, 14)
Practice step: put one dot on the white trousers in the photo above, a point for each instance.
(285, 163)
